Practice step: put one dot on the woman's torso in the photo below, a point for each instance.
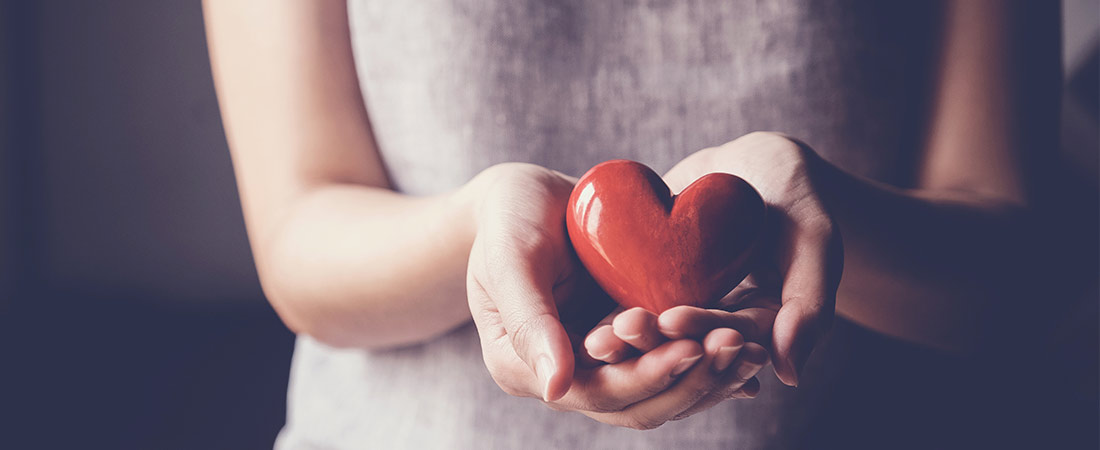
(453, 87)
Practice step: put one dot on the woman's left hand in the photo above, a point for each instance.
(802, 259)
(732, 346)
(787, 303)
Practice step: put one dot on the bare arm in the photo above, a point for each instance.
(943, 263)
(340, 256)
(953, 263)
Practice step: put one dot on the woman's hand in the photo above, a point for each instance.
(519, 270)
(801, 261)
(523, 277)
(731, 341)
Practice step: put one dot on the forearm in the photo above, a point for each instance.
(951, 264)
(359, 266)
(340, 256)
(937, 268)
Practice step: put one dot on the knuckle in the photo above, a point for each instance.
(526, 328)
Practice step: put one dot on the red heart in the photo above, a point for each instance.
(648, 248)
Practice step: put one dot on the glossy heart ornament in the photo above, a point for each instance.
(646, 247)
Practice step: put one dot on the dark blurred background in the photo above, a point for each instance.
(130, 312)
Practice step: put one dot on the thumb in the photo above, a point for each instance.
(809, 303)
(799, 326)
(530, 318)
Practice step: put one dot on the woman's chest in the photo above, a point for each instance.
(453, 87)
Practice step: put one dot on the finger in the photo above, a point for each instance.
(679, 322)
(740, 380)
(580, 355)
(809, 300)
(611, 387)
(602, 342)
(603, 345)
(638, 327)
(694, 385)
(523, 296)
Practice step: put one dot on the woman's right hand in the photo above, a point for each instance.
(521, 271)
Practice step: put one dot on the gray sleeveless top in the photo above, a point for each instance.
(455, 86)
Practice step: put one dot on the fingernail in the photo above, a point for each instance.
(724, 358)
(544, 370)
(684, 365)
(670, 333)
(604, 357)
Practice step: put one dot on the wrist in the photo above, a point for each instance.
(507, 180)
(465, 204)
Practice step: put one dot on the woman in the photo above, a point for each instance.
(372, 143)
